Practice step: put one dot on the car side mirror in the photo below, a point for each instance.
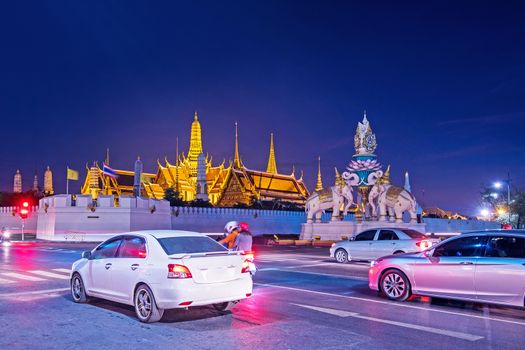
(86, 254)
(352, 238)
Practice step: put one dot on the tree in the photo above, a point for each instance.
(517, 207)
(173, 197)
(496, 202)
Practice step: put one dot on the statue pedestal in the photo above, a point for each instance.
(339, 230)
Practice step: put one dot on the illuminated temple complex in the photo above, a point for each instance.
(224, 185)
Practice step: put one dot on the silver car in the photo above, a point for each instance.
(378, 242)
(486, 267)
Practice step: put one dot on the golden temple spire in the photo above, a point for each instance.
(237, 159)
(319, 185)
(272, 164)
(177, 164)
(195, 144)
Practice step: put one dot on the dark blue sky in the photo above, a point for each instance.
(442, 82)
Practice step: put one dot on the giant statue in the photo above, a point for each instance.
(335, 198)
(391, 200)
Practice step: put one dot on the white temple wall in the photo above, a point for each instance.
(57, 219)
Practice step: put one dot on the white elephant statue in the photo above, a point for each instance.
(333, 198)
(392, 200)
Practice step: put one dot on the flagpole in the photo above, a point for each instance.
(67, 181)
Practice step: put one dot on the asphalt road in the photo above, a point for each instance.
(301, 300)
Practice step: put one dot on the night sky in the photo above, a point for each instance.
(442, 83)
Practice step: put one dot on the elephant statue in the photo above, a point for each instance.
(392, 200)
(333, 198)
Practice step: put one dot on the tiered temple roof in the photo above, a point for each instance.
(227, 185)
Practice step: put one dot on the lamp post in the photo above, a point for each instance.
(499, 185)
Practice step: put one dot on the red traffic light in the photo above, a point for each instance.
(24, 210)
(24, 213)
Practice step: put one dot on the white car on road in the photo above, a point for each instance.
(158, 270)
(375, 243)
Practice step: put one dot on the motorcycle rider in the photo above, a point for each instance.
(232, 230)
(244, 239)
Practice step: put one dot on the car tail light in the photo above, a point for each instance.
(186, 303)
(178, 271)
(249, 257)
(424, 244)
(245, 266)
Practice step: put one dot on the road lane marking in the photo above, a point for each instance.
(408, 306)
(341, 313)
(4, 281)
(313, 273)
(35, 292)
(23, 277)
(49, 274)
(63, 270)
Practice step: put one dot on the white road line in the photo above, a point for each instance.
(4, 281)
(49, 274)
(63, 270)
(36, 292)
(342, 313)
(405, 305)
(314, 273)
(22, 277)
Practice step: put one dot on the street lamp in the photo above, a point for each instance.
(484, 212)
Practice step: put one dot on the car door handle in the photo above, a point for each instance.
(108, 265)
(134, 267)
(466, 263)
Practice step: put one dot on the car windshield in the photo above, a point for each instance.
(190, 245)
(414, 234)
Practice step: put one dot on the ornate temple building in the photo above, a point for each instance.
(194, 176)
(48, 182)
(17, 182)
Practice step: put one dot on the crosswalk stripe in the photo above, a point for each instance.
(62, 270)
(22, 277)
(49, 274)
(4, 281)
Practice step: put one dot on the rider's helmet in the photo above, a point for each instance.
(230, 226)
(243, 226)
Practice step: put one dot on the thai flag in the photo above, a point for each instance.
(106, 170)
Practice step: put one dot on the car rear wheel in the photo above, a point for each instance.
(145, 305)
(341, 256)
(227, 306)
(395, 285)
(78, 292)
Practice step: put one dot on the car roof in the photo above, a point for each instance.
(496, 232)
(164, 233)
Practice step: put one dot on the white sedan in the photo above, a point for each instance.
(375, 243)
(158, 270)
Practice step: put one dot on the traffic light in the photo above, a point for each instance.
(24, 211)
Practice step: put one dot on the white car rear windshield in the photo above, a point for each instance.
(414, 234)
(189, 245)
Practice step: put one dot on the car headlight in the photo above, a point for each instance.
(373, 263)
